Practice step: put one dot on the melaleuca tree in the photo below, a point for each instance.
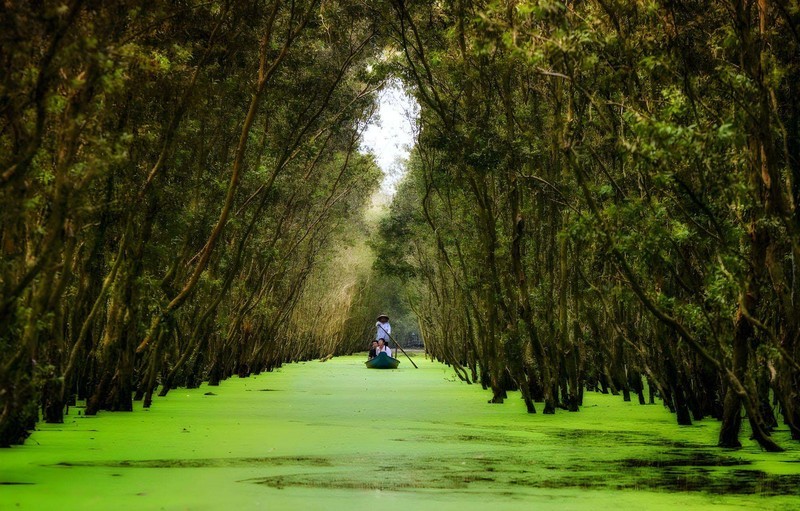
(608, 188)
(171, 175)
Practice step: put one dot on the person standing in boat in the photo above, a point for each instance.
(383, 333)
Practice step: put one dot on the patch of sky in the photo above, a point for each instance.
(390, 132)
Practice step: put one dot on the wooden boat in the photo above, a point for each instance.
(382, 361)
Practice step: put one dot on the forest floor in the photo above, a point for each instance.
(336, 436)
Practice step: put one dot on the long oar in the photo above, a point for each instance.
(398, 345)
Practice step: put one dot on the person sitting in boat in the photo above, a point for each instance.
(373, 352)
(383, 347)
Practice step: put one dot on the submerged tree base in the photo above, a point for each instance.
(335, 435)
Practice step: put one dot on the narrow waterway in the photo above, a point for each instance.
(334, 435)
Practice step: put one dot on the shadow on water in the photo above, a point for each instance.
(737, 482)
(457, 474)
(675, 471)
(306, 461)
(686, 459)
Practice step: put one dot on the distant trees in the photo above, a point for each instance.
(169, 175)
(605, 193)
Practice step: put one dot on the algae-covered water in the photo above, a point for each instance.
(336, 436)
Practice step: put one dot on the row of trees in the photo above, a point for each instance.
(170, 173)
(604, 194)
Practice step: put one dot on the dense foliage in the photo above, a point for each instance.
(170, 173)
(605, 193)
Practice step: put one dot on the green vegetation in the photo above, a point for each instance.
(604, 193)
(171, 175)
(603, 196)
(336, 436)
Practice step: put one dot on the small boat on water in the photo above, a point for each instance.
(382, 361)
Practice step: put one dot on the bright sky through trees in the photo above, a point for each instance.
(390, 134)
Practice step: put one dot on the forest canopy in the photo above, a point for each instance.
(602, 196)
(171, 174)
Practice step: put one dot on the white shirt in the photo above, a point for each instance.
(381, 334)
(385, 349)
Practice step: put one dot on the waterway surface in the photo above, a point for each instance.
(336, 436)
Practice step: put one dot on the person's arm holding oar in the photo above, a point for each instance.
(395, 342)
